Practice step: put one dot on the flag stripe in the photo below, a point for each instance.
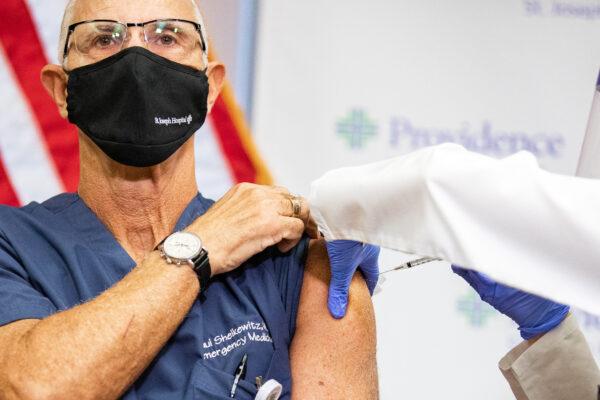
(262, 174)
(27, 58)
(7, 193)
(26, 159)
(234, 137)
(240, 164)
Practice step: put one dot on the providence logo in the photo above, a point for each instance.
(173, 120)
(357, 128)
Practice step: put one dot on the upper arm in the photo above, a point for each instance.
(333, 359)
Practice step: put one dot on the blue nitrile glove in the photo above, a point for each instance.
(346, 257)
(534, 315)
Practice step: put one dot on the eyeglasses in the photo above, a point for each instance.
(98, 39)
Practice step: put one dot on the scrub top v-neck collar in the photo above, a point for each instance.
(99, 238)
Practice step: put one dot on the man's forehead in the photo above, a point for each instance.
(134, 10)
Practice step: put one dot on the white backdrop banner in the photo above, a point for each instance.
(345, 82)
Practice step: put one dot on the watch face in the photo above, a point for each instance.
(182, 246)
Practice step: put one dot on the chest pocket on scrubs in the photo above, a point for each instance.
(222, 350)
(210, 383)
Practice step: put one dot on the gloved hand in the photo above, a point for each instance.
(534, 315)
(346, 257)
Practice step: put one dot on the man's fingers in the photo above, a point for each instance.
(310, 226)
(280, 190)
(286, 206)
(286, 245)
(304, 213)
(292, 230)
(294, 206)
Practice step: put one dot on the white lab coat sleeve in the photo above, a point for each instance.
(523, 226)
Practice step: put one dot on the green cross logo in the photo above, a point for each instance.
(356, 128)
(476, 311)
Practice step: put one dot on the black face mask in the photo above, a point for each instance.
(138, 107)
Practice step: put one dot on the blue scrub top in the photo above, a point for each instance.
(58, 254)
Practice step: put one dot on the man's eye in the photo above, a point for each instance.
(103, 41)
(166, 40)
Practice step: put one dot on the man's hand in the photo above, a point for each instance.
(249, 219)
(345, 257)
(534, 315)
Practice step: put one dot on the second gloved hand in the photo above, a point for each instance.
(534, 315)
(345, 258)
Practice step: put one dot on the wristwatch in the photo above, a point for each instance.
(183, 248)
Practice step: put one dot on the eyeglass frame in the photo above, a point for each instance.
(71, 29)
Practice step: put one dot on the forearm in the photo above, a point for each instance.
(98, 349)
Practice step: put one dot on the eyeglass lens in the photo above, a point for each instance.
(168, 38)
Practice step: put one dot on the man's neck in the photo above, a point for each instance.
(140, 206)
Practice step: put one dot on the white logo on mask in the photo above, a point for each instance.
(173, 121)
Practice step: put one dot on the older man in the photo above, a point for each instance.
(138, 286)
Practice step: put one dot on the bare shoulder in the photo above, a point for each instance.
(333, 358)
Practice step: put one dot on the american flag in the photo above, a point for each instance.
(39, 150)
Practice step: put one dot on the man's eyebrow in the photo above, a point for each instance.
(167, 25)
(105, 27)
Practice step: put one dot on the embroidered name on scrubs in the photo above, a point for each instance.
(56, 255)
(221, 345)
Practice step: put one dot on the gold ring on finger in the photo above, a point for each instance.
(296, 206)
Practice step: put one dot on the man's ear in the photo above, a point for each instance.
(216, 79)
(54, 80)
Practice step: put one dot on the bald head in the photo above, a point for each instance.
(78, 10)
